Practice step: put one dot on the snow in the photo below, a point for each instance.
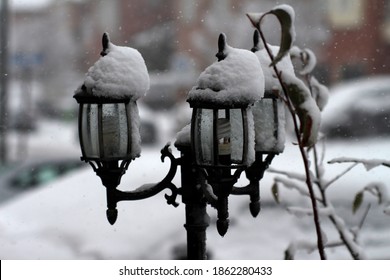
(183, 137)
(135, 131)
(121, 73)
(306, 108)
(238, 79)
(285, 66)
(286, 16)
(235, 81)
(310, 62)
(66, 219)
(270, 137)
(251, 139)
(380, 190)
(308, 58)
(320, 93)
(368, 163)
(301, 212)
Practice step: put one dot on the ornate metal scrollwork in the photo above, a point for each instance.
(111, 173)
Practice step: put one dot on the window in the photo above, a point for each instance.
(345, 14)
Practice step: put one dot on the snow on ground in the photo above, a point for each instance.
(66, 219)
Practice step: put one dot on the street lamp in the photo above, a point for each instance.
(269, 123)
(220, 145)
(109, 125)
(222, 123)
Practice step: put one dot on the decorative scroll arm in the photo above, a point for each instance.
(145, 191)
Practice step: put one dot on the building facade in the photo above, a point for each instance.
(359, 44)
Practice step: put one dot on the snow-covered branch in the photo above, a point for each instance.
(289, 184)
(367, 163)
(289, 174)
(301, 212)
(337, 177)
(347, 237)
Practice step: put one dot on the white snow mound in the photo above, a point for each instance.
(121, 73)
(238, 79)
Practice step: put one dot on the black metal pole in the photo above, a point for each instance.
(197, 219)
(3, 79)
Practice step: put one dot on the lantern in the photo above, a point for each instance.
(106, 128)
(220, 137)
(222, 127)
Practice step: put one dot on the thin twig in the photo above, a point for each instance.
(340, 175)
(365, 214)
(335, 220)
(309, 183)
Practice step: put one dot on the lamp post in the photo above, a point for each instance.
(220, 147)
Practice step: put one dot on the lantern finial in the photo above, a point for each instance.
(221, 55)
(105, 43)
(257, 43)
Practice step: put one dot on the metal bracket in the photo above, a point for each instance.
(216, 187)
(111, 175)
(254, 174)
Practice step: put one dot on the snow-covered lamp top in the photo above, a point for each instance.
(285, 64)
(120, 73)
(235, 80)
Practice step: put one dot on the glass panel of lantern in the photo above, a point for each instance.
(89, 138)
(203, 136)
(105, 131)
(219, 137)
(269, 117)
(114, 130)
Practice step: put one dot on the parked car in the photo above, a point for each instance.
(18, 178)
(359, 108)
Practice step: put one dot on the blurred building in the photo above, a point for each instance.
(56, 42)
(360, 38)
(169, 34)
(177, 38)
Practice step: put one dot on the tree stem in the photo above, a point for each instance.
(320, 243)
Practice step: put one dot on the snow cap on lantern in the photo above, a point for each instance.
(222, 129)
(119, 73)
(236, 79)
(109, 122)
(285, 65)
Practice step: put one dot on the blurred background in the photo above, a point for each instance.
(48, 45)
